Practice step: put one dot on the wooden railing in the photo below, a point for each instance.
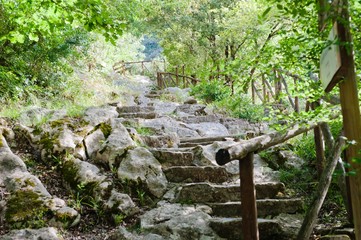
(145, 67)
(167, 79)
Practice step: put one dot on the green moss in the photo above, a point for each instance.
(69, 171)
(106, 129)
(59, 123)
(47, 141)
(145, 131)
(25, 209)
(1, 140)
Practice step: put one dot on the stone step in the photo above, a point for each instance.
(231, 229)
(176, 157)
(200, 119)
(152, 95)
(144, 115)
(208, 193)
(265, 207)
(186, 144)
(210, 139)
(213, 174)
(134, 109)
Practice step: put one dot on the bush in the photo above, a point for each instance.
(241, 106)
(305, 148)
(211, 91)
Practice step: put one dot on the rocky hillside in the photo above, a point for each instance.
(142, 168)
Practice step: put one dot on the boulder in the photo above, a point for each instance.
(168, 125)
(28, 199)
(167, 140)
(140, 165)
(48, 233)
(96, 115)
(117, 142)
(86, 178)
(93, 142)
(176, 221)
(36, 115)
(164, 108)
(121, 203)
(208, 129)
(185, 110)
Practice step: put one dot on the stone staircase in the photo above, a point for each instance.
(192, 183)
(213, 186)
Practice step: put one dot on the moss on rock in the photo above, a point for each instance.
(25, 208)
(106, 129)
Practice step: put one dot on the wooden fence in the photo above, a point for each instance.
(149, 68)
(168, 79)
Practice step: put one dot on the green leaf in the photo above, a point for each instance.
(266, 12)
(33, 37)
(16, 37)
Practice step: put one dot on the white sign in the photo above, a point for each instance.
(330, 61)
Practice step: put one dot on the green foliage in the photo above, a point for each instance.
(40, 40)
(299, 180)
(305, 148)
(241, 106)
(210, 91)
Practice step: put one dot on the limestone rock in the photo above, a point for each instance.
(96, 115)
(190, 109)
(28, 198)
(37, 114)
(49, 233)
(167, 140)
(123, 234)
(209, 129)
(120, 202)
(115, 145)
(140, 164)
(93, 142)
(165, 108)
(174, 221)
(168, 124)
(77, 172)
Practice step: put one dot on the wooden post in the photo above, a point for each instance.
(248, 199)
(349, 99)
(184, 77)
(351, 115)
(176, 76)
(320, 148)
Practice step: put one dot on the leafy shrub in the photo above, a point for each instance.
(241, 106)
(210, 91)
(305, 147)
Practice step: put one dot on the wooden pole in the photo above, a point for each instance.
(183, 73)
(351, 114)
(320, 148)
(248, 199)
(176, 76)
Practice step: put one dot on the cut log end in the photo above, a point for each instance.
(223, 157)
